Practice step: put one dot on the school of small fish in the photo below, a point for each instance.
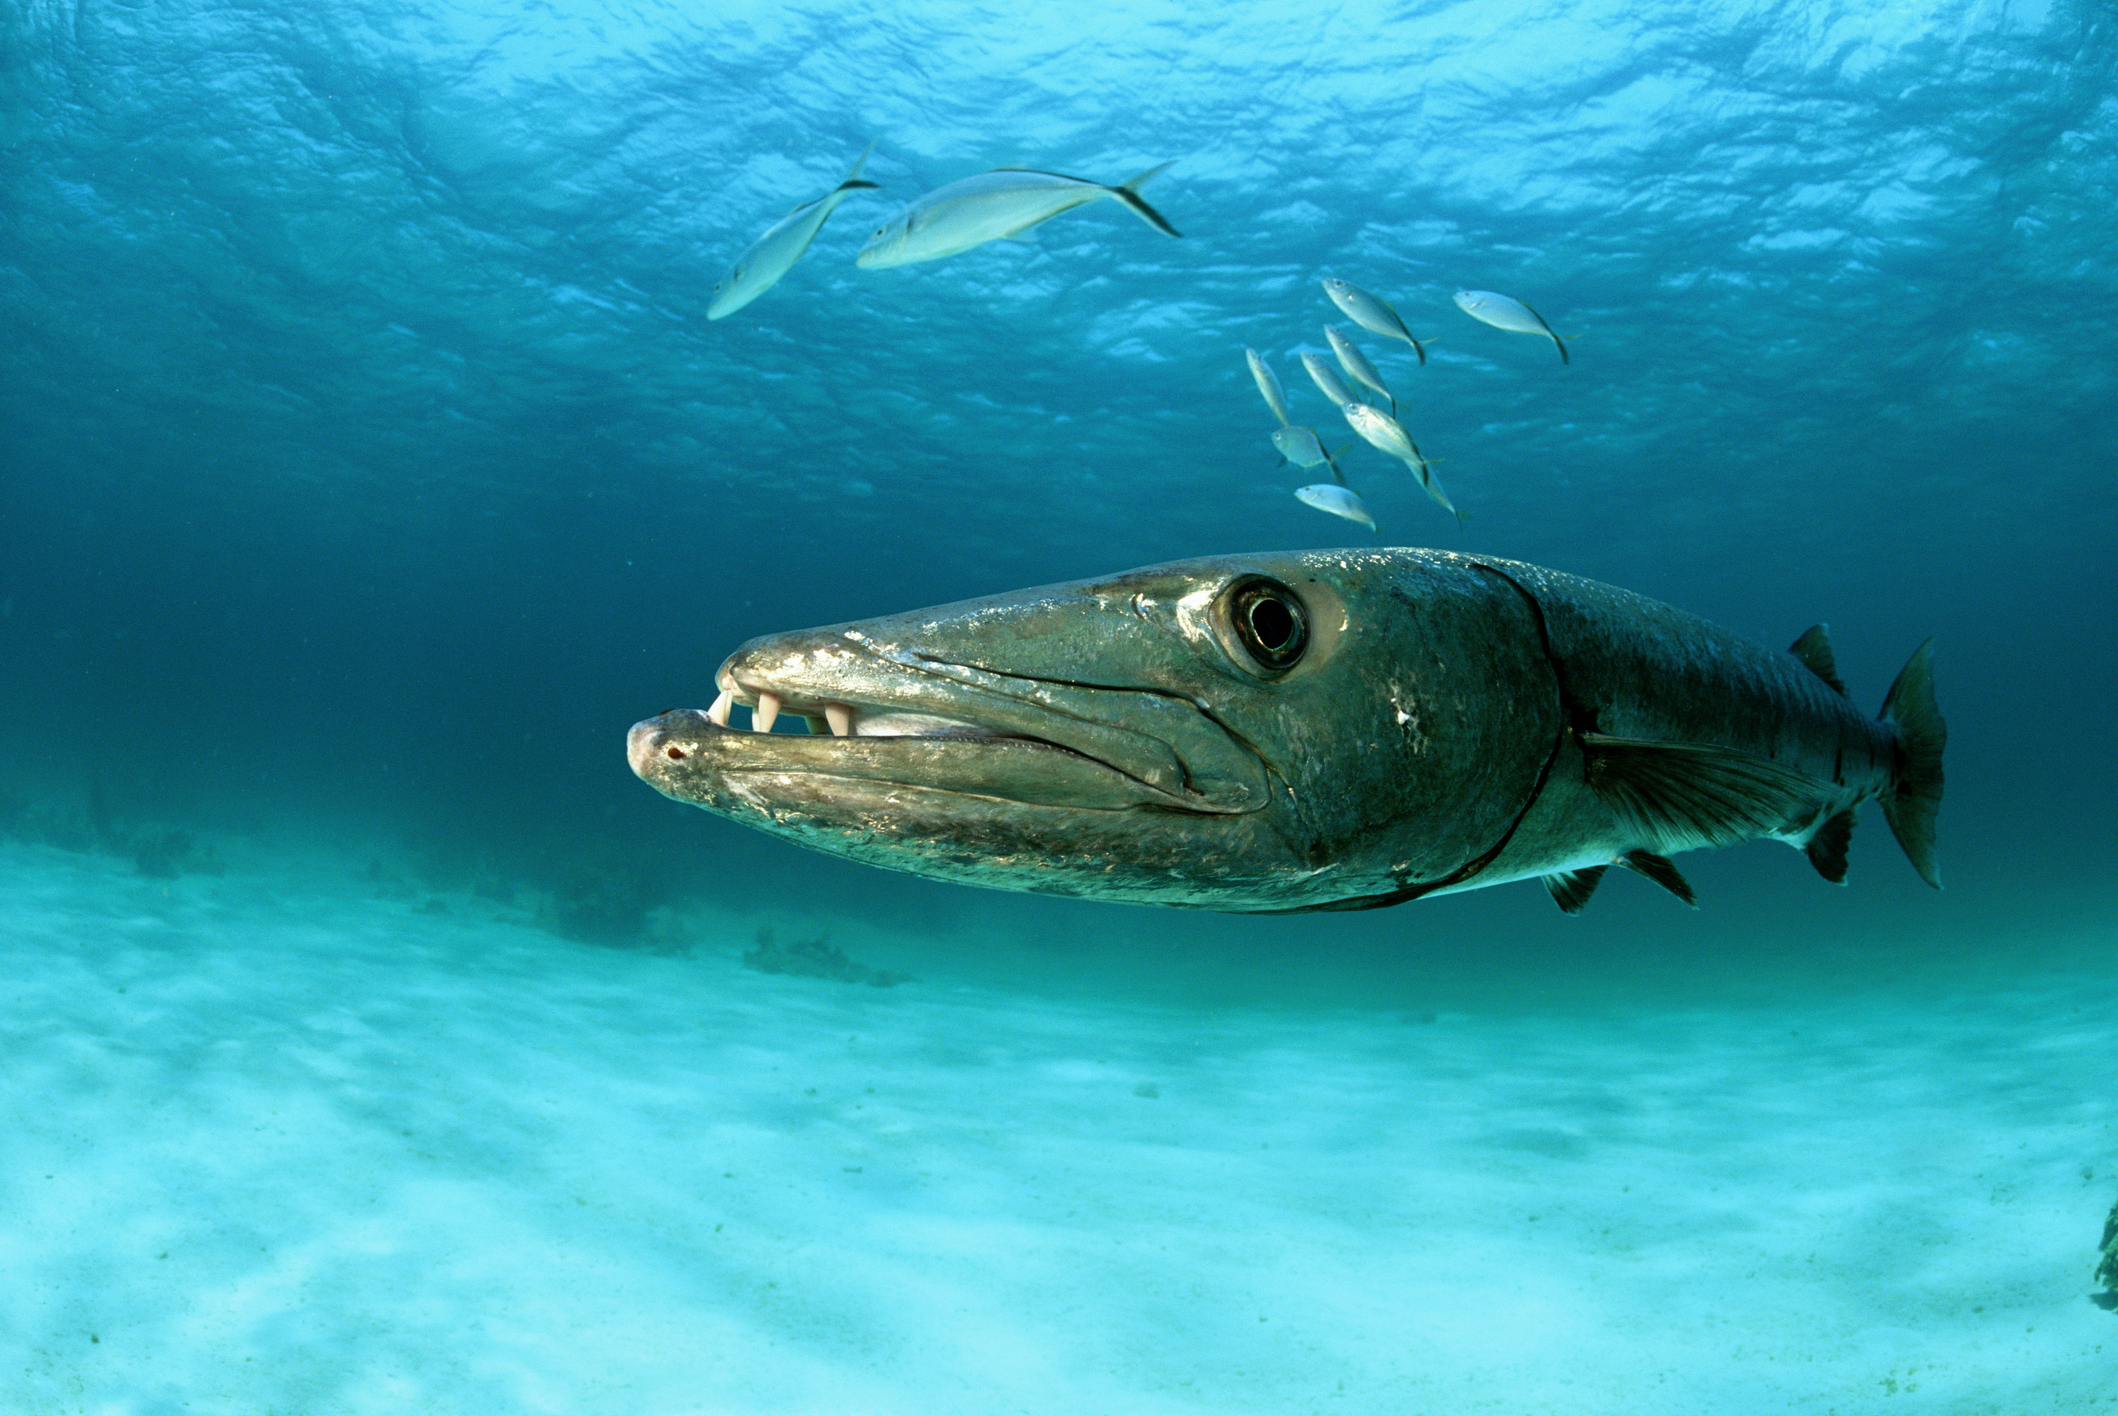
(1007, 203)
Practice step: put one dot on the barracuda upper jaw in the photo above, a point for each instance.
(839, 719)
(937, 714)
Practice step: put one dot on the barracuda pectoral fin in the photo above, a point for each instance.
(1685, 795)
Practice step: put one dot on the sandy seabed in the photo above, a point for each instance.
(277, 1145)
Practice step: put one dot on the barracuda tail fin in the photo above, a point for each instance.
(1913, 801)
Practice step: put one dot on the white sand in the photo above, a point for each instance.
(274, 1147)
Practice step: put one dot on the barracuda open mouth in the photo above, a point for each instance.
(926, 724)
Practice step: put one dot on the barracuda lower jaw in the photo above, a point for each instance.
(839, 719)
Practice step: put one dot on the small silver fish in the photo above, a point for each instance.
(1386, 434)
(1269, 385)
(1338, 500)
(1303, 448)
(1327, 380)
(1502, 312)
(1371, 312)
(1002, 203)
(773, 254)
(1356, 363)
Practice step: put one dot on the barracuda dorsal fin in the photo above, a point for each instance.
(1827, 848)
(1814, 649)
(1684, 795)
(1663, 871)
(1571, 889)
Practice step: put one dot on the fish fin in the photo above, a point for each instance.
(1404, 331)
(1136, 182)
(1441, 498)
(855, 184)
(1564, 357)
(1432, 484)
(1827, 848)
(1814, 649)
(1129, 193)
(1419, 349)
(1912, 802)
(1684, 795)
(858, 163)
(1663, 871)
(1571, 889)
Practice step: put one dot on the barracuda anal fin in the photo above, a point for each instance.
(1663, 871)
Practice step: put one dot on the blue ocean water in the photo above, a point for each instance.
(368, 466)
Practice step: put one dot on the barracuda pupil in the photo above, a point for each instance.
(1271, 623)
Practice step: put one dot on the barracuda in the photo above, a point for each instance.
(1331, 730)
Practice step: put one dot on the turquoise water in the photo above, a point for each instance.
(368, 466)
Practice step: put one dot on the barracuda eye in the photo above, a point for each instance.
(1270, 622)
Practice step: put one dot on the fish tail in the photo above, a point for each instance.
(1913, 800)
(1129, 193)
(858, 164)
(1419, 349)
(1135, 183)
(1564, 357)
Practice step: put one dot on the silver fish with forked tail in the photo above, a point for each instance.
(1371, 313)
(1330, 730)
(1327, 381)
(1357, 366)
(1338, 499)
(994, 205)
(1385, 434)
(1508, 313)
(773, 254)
(1268, 385)
(1304, 448)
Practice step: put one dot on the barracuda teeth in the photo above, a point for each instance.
(768, 708)
(840, 717)
(718, 713)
